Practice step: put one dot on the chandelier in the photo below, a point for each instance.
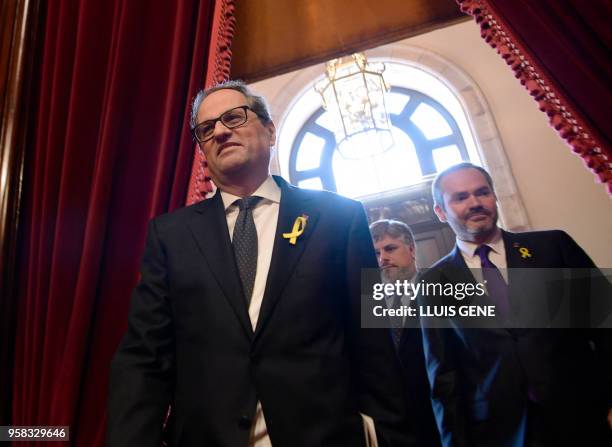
(354, 93)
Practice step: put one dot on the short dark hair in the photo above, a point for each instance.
(394, 228)
(257, 103)
(435, 186)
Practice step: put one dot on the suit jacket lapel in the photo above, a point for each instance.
(517, 265)
(285, 256)
(511, 245)
(519, 255)
(209, 227)
(527, 282)
(459, 271)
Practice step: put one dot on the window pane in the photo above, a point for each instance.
(431, 123)
(328, 120)
(311, 183)
(365, 144)
(396, 102)
(392, 169)
(309, 152)
(445, 157)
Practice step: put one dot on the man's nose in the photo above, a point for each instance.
(220, 130)
(382, 260)
(473, 201)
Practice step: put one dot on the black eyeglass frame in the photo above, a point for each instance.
(213, 123)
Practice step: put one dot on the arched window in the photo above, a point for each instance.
(439, 116)
(430, 133)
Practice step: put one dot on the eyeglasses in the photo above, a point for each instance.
(232, 118)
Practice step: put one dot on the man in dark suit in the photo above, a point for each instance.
(246, 318)
(396, 254)
(505, 385)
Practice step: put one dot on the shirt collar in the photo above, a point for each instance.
(496, 243)
(268, 190)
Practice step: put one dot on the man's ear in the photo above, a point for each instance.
(440, 213)
(272, 130)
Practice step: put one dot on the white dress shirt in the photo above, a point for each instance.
(497, 255)
(265, 215)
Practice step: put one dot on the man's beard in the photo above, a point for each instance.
(393, 274)
(480, 229)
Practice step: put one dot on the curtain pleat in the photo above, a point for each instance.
(112, 150)
(217, 70)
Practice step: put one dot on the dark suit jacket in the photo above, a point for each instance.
(190, 341)
(482, 379)
(410, 352)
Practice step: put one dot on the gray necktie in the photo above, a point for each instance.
(244, 242)
(397, 323)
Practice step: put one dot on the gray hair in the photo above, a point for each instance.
(436, 190)
(257, 103)
(393, 228)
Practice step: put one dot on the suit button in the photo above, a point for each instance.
(244, 421)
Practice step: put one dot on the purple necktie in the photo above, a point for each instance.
(496, 286)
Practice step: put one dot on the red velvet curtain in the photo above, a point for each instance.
(560, 50)
(112, 149)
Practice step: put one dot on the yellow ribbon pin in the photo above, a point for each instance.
(298, 228)
(524, 252)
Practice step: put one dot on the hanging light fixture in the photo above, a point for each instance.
(354, 92)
